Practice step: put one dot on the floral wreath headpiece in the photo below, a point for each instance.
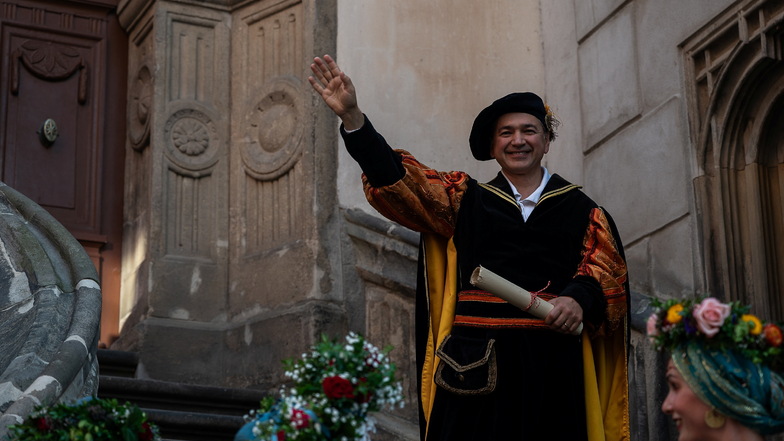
(716, 325)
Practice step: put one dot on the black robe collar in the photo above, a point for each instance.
(555, 186)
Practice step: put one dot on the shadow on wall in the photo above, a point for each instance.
(50, 311)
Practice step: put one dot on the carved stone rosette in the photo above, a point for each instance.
(275, 130)
(191, 140)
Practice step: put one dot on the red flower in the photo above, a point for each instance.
(363, 397)
(337, 387)
(146, 433)
(281, 436)
(772, 335)
(42, 424)
(300, 419)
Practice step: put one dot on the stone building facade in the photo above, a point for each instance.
(678, 119)
(245, 231)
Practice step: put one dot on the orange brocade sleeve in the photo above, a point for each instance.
(602, 260)
(424, 200)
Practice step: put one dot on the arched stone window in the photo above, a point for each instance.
(735, 83)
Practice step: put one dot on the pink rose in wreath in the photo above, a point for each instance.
(651, 326)
(710, 315)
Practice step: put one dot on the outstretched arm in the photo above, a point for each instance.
(414, 195)
(337, 91)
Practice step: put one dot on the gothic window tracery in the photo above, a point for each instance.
(735, 80)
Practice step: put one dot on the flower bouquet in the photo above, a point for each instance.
(89, 419)
(335, 387)
(718, 325)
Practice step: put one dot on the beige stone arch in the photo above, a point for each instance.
(735, 76)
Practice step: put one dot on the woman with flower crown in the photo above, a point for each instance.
(725, 370)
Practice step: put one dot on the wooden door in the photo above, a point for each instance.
(62, 115)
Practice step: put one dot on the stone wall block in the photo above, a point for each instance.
(270, 178)
(255, 351)
(190, 288)
(609, 92)
(638, 263)
(662, 28)
(672, 260)
(142, 76)
(273, 222)
(386, 261)
(386, 254)
(562, 91)
(173, 351)
(647, 391)
(191, 138)
(276, 279)
(390, 321)
(644, 189)
(590, 13)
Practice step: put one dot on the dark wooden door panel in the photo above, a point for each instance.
(48, 79)
(66, 61)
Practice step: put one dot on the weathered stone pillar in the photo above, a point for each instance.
(229, 202)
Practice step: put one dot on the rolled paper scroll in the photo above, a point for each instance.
(491, 282)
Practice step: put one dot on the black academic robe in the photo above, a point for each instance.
(538, 389)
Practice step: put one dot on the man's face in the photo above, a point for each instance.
(519, 143)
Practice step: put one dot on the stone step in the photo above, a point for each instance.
(117, 363)
(183, 412)
(182, 397)
(187, 426)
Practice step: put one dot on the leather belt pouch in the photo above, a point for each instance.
(468, 366)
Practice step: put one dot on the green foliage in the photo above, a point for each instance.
(89, 419)
(335, 386)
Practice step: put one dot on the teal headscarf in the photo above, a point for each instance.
(749, 393)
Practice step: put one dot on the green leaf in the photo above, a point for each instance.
(129, 435)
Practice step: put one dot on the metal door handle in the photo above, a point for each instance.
(48, 132)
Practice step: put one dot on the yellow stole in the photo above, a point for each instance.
(604, 357)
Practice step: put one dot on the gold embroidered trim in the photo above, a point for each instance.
(456, 378)
(558, 192)
(505, 196)
(498, 192)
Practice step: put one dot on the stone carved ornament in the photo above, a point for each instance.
(191, 139)
(139, 109)
(274, 131)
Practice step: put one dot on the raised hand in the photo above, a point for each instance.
(337, 91)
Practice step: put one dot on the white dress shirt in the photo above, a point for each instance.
(528, 204)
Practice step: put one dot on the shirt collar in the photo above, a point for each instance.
(533, 197)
